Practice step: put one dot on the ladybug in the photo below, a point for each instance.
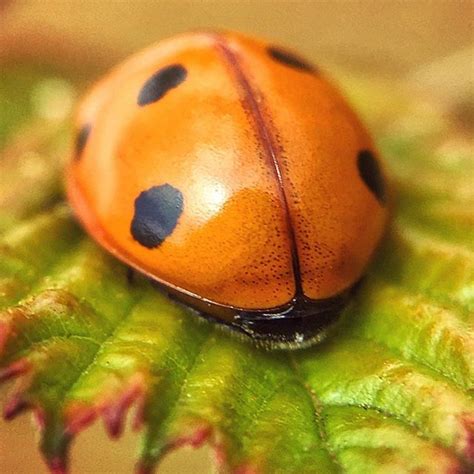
(233, 174)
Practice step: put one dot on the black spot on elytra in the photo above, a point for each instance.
(369, 171)
(289, 59)
(160, 83)
(81, 140)
(157, 211)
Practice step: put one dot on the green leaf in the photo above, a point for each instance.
(391, 391)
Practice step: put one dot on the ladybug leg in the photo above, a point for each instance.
(130, 274)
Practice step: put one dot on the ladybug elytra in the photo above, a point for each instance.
(235, 175)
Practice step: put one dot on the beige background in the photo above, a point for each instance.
(407, 40)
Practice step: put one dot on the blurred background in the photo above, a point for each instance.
(389, 36)
(423, 45)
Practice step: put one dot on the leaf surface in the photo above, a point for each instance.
(391, 391)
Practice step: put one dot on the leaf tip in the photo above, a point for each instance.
(114, 413)
(14, 406)
(78, 417)
(468, 422)
(194, 439)
(40, 418)
(57, 465)
(143, 467)
(15, 369)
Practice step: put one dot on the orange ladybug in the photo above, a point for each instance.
(235, 175)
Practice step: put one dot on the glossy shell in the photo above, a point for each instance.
(233, 173)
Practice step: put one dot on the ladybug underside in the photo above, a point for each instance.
(298, 324)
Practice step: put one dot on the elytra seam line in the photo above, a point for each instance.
(267, 141)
